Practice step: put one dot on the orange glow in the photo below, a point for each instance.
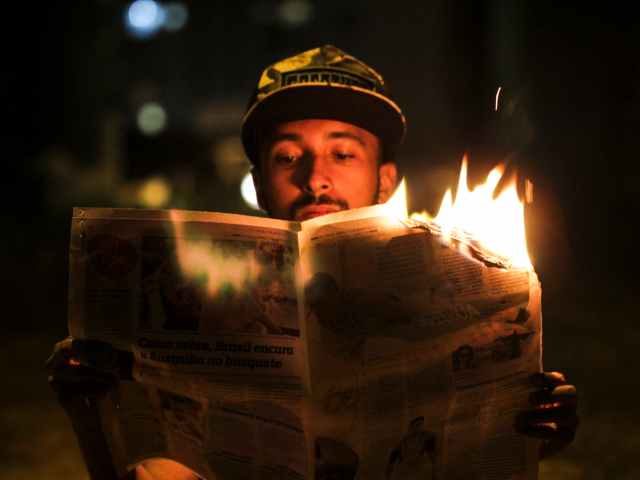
(495, 223)
(200, 258)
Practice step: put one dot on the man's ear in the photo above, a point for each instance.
(257, 184)
(388, 179)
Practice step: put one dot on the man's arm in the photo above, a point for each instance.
(82, 372)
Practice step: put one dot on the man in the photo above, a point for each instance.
(321, 132)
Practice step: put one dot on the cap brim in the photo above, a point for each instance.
(358, 106)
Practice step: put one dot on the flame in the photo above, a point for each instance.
(200, 258)
(497, 224)
(396, 206)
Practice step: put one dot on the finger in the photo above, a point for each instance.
(555, 437)
(62, 358)
(59, 352)
(95, 354)
(72, 381)
(548, 379)
(527, 190)
(508, 177)
(565, 394)
(553, 430)
(81, 362)
(80, 375)
(80, 372)
(513, 175)
(561, 417)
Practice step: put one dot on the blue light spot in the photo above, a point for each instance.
(144, 17)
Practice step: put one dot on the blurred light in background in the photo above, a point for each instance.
(248, 192)
(154, 192)
(286, 13)
(151, 118)
(230, 160)
(176, 16)
(144, 18)
(295, 13)
(220, 116)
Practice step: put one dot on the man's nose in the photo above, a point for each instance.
(317, 179)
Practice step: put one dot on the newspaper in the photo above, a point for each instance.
(351, 346)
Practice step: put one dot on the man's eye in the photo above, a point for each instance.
(343, 155)
(285, 160)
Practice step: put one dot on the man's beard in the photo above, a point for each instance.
(307, 199)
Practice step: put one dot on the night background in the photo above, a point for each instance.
(97, 116)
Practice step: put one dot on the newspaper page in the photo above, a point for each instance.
(419, 355)
(207, 303)
(350, 346)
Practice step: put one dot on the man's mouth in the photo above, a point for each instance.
(312, 211)
(307, 206)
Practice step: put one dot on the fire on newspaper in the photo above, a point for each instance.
(363, 344)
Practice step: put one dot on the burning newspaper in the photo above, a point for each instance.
(353, 345)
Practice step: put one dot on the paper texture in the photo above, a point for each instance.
(350, 346)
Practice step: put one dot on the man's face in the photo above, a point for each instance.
(313, 167)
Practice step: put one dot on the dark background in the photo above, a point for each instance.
(73, 79)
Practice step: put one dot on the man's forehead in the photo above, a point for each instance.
(301, 130)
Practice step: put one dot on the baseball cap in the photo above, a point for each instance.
(327, 83)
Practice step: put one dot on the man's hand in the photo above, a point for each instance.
(553, 418)
(516, 171)
(85, 368)
(81, 372)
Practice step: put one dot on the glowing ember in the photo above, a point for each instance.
(497, 224)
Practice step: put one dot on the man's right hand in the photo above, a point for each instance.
(85, 368)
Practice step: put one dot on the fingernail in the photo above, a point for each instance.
(564, 390)
(547, 379)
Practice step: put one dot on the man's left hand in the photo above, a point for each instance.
(554, 416)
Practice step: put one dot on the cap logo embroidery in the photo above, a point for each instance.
(325, 76)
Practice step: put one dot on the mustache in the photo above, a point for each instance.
(308, 199)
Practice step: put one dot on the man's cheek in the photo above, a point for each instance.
(280, 205)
